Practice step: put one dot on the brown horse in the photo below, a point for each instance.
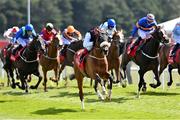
(49, 61)
(114, 55)
(113, 58)
(163, 56)
(146, 58)
(95, 66)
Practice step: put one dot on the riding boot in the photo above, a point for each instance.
(173, 53)
(16, 49)
(85, 52)
(63, 50)
(136, 43)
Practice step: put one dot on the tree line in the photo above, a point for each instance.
(84, 14)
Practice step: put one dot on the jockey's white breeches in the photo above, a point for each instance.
(65, 41)
(144, 34)
(176, 39)
(87, 43)
(23, 41)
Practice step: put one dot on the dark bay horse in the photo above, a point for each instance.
(69, 55)
(146, 59)
(28, 64)
(5, 58)
(95, 65)
(50, 61)
(163, 56)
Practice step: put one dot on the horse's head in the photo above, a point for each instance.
(57, 42)
(118, 37)
(102, 42)
(160, 35)
(37, 44)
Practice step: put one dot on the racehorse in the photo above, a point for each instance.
(164, 52)
(95, 65)
(114, 55)
(5, 58)
(146, 58)
(69, 55)
(49, 61)
(28, 64)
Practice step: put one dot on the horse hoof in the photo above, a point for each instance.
(124, 84)
(45, 90)
(144, 89)
(108, 98)
(32, 87)
(153, 85)
(169, 84)
(13, 86)
(26, 91)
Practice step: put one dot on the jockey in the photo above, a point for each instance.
(109, 26)
(89, 41)
(11, 33)
(144, 27)
(48, 33)
(176, 38)
(69, 35)
(24, 36)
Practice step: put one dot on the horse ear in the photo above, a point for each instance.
(121, 31)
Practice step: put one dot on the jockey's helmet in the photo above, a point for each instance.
(70, 29)
(29, 27)
(111, 23)
(15, 29)
(49, 26)
(150, 17)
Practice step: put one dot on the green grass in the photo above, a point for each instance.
(63, 103)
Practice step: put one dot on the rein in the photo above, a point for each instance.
(24, 59)
(50, 58)
(151, 57)
(27, 61)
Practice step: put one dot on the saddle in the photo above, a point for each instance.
(132, 53)
(173, 59)
(17, 54)
(79, 58)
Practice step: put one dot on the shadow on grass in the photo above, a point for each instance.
(3, 101)
(15, 93)
(52, 111)
(68, 94)
(150, 93)
(116, 100)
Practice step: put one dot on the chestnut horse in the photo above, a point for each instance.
(163, 56)
(95, 65)
(146, 58)
(49, 61)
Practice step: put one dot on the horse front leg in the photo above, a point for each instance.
(170, 75)
(79, 78)
(98, 80)
(56, 76)
(8, 78)
(13, 85)
(156, 73)
(37, 73)
(45, 80)
(141, 82)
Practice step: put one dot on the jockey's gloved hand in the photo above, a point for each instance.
(74, 39)
(35, 36)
